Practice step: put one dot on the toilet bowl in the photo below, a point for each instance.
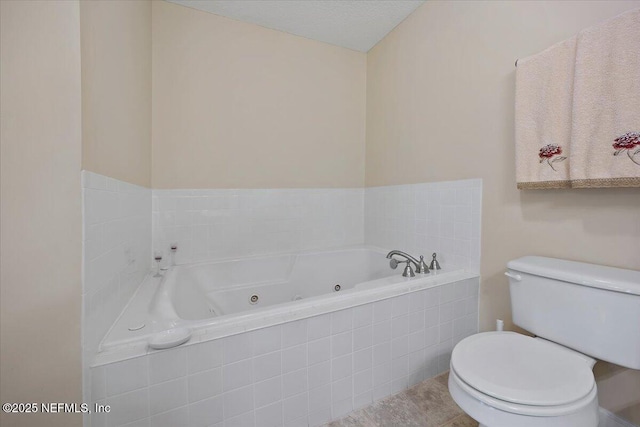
(577, 311)
(505, 379)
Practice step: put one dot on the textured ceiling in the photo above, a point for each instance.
(354, 24)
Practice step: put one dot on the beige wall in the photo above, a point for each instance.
(40, 130)
(440, 97)
(116, 89)
(236, 105)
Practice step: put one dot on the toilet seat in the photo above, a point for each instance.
(522, 375)
(525, 410)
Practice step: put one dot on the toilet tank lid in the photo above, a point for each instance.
(580, 273)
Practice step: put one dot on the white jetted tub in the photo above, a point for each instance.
(230, 287)
(221, 298)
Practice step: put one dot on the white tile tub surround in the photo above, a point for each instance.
(442, 217)
(419, 218)
(213, 224)
(116, 252)
(305, 372)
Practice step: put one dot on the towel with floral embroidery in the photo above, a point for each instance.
(605, 133)
(544, 93)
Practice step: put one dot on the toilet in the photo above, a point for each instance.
(578, 312)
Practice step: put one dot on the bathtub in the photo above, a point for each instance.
(231, 287)
(227, 297)
(330, 331)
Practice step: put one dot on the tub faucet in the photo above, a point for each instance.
(421, 266)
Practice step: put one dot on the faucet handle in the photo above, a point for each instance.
(435, 265)
(408, 271)
(422, 266)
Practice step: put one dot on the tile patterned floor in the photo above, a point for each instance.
(427, 404)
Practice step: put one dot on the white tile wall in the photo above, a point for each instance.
(308, 371)
(210, 224)
(116, 256)
(420, 218)
(442, 217)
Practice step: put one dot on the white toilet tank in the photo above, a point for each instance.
(590, 308)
